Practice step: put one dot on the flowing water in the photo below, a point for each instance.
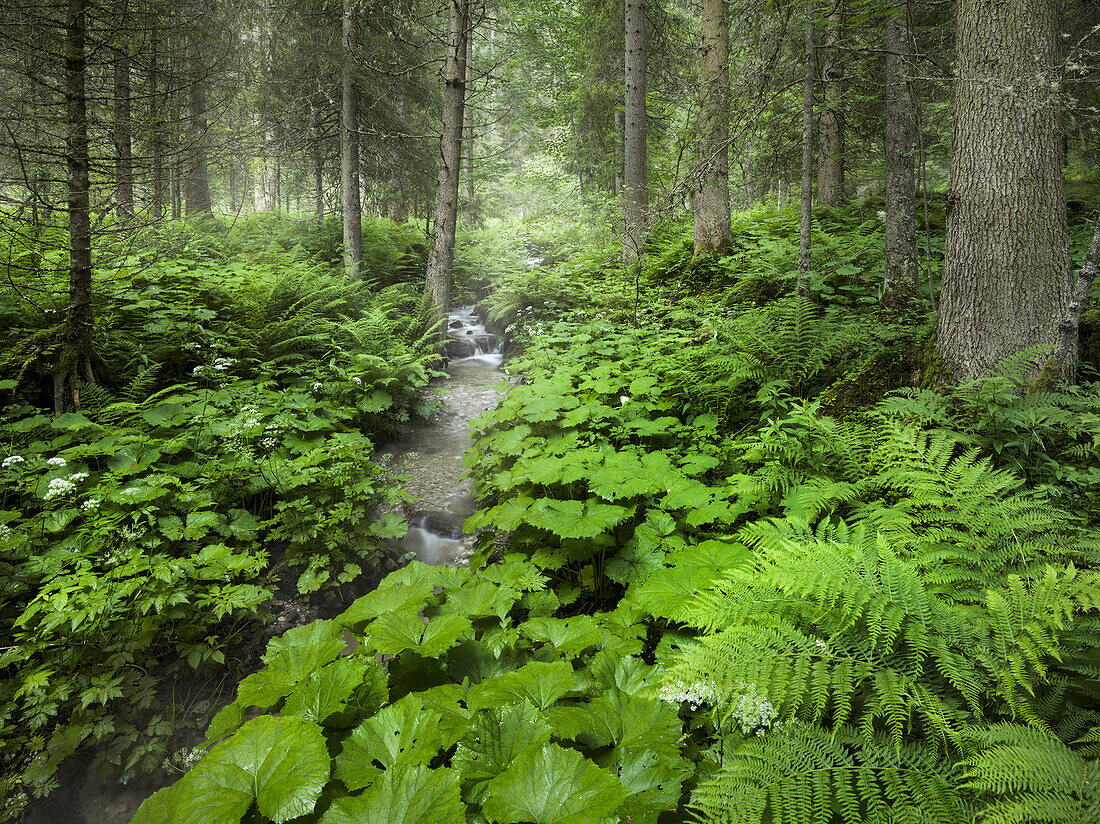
(430, 452)
(441, 497)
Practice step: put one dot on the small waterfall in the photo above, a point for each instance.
(467, 337)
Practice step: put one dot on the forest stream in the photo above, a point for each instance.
(429, 453)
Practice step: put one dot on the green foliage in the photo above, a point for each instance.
(485, 714)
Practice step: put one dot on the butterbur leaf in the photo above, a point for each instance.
(396, 632)
(568, 635)
(552, 785)
(402, 733)
(498, 736)
(540, 683)
(326, 692)
(443, 632)
(668, 592)
(290, 659)
(388, 597)
(652, 781)
(324, 637)
(280, 763)
(403, 795)
(507, 515)
(577, 519)
(622, 475)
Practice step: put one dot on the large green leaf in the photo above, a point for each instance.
(403, 795)
(577, 519)
(327, 692)
(553, 785)
(281, 763)
(566, 635)
(289, 661)
(622, 475)
(498, 736)
(652, 780)
(540, 683)
(404, 732)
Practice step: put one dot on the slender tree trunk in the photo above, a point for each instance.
(159, 106)
(635, 178)
(75, 362)
(469, 194)
(442, 251)
(318, 167)
(901, 184)
(124, 167)
(351, 206)
(712, 203)
(620, 129)
(806, 220)
(1007, 272)
(830, 163)
(197, 183)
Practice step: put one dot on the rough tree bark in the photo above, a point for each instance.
(124, 166)
(469, 194)
(351, 205)
(901, 184)
(805, 223)
(197, 183)
(159, 106)
(712, 201)
(75, 361)
(441, 254)
(830, 161)
(635, 180)
(1007, 272)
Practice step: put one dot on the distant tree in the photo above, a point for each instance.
(900, 144)
(350, 204)
(830, 157)
(1007, 269)
(806, 218)
(635, 175)
(442, 251)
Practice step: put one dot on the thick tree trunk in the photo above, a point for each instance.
(75, 362)
(830, 162)
(712, 202)
(805, 223)
(1007, 269)
(441, 254)
(124, 166)
(901, 183)
(351, 206)
(635, 179)
(197, 183)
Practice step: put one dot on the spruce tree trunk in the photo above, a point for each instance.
(351, 206)
(806, 220)
(124, 167)
(75, 362)
(159, 106)
(712, 202)
(901, 184)
(635, 179)
(830, 161)
(197, 183)
(1007, 269)
(441, 254)
(468, 137)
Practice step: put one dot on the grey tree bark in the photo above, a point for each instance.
(159, 106)
(712, 201)
(1007, 272)
(124, 165)
(441, 253)
(75, 361)
(351, 205)
(197, 183)
(830, 161)
(635, 179)
(900, 275)
(806, 219)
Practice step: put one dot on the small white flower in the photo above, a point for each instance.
(317, 386)
(197, 370)
(56, 462)
(11, 460)
(5, 532)
(820, 644)
(268, 443)
(694, 694)
(91, 503)
(358, 381)
(623, 399)
(78, 476)
(58, 487)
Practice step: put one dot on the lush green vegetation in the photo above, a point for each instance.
(725, 572)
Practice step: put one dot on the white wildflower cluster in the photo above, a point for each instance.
(11, 461)
(623, 400)
(753, 711)
(91, 503)
(821, 644)
(357, 381)
(183, 759)
(525, 324)
(58, 487)
(221, 364)
(56, 462)
(267, 443)
(5, 532)
(76, 477)
(695, 694)
(317, 386)
(131, 533)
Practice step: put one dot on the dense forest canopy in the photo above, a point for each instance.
(788, 512)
